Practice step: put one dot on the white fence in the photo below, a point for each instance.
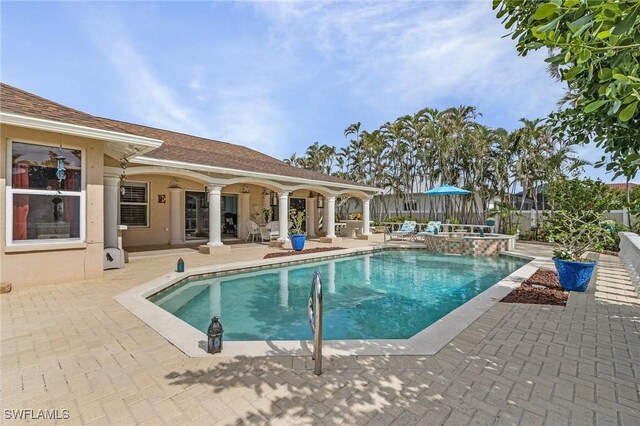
(530, 217)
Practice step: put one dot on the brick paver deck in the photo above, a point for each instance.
(73, 347)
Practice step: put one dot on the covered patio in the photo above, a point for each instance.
(196, 190)
(260, 200)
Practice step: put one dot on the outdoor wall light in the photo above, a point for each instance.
(320, 201)
(274, 198)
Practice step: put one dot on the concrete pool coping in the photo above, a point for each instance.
(427, 342)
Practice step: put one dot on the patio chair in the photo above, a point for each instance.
(254, 230)
(430, 230)
(270, 232)
(229, 225)
(408, 228)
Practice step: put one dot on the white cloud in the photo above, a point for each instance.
(406, 53)
(147, 96)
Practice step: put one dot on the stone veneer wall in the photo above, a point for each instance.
(467, 245)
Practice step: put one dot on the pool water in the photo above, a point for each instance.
(390, 294)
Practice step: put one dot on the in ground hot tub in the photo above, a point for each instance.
(470, 244)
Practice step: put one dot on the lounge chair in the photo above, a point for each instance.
(430, 229)
(408, 228)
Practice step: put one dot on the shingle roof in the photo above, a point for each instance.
(177, 146)
(18, 101)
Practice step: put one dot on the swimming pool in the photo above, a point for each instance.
(390, 294)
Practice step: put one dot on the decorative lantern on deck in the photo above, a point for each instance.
(214, 333)
(180, 265)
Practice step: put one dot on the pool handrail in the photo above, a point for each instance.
(314, 313)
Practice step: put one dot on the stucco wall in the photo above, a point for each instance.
(157, 233)
(630, 254)
(55, 265)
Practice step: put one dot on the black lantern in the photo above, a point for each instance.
(214, 333)
(274, 198)
(320, 201)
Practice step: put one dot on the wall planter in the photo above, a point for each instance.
(297, 241)
(574, 276)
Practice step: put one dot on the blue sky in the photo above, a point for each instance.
(275, 76)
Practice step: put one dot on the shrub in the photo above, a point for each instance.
(574, 234)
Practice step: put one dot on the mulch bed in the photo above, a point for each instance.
(550, 294)
(306, 251)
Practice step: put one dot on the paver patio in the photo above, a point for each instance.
(71, 346)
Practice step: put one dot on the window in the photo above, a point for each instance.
(44, 208)
(134, 204)
(410, 205)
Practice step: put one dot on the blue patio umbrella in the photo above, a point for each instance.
(447, 190)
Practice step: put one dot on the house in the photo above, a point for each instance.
(72, 183)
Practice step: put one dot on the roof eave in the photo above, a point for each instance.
(224, 170)
(121, 143)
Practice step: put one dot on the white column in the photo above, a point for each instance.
(365, 217)
(111, 193)
(330, 219)
(214, 298)
(215, 237)
(176, 229)
(244, 216)
(331, 276)
(284, 288)
(311, 216)
(283, 215)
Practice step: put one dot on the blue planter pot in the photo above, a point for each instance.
(574, 276)
(297, 241)
(491, 222)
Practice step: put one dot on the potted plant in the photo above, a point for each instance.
(573, 235)
(378, 227)
(266, 213)
(577, 225)
(297, 235)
